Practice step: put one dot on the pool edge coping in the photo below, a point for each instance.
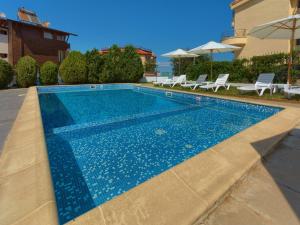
(27, 131)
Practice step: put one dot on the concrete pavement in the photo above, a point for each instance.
(10, 103)
(269, 194)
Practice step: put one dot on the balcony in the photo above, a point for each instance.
(236, 37)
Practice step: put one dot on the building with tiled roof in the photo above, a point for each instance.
(29, 36)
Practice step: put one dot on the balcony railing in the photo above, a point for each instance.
(234, 34)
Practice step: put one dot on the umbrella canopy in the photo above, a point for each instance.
(213, 47)
(286, 28)
(178, 54)
(278, 29)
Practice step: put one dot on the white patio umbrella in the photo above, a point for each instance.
(286, 28)
(178, 54)
(213, 47)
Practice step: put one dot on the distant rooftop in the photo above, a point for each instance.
(139, 50)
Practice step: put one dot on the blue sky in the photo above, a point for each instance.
(160, 25)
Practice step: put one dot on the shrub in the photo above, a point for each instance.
(150, 66)
(73, 69)
(49, 73)
(94, 65)
(112, 68)
(132, 67)
(26, 71)
(6, 73)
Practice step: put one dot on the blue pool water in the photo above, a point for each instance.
(105, 140)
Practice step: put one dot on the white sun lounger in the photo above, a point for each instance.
(290, 90)
(201, 79)
(264, 82)
(220, 82)
(165, 82)
(162, 81)
(180, 80)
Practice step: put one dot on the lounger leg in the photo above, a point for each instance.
(228, 87)
(195, 87)
(262, 91)
(217, 88)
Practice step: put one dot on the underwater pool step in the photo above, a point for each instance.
(120, 122)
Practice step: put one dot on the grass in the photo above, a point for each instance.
(236, 93)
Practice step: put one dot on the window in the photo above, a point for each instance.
(3, 55)
(298, 42)
(4, 32)
(61, 55)
(61, 37)
(48, 35)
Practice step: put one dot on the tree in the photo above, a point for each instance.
(133, 69)
(95, 63)
(26, 71)
(49, 73)
(6, 73)
(112, 68)
(73, 69)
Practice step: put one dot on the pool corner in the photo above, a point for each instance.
(27, 195)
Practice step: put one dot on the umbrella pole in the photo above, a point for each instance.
(179, 65)
(290, 65)
(211, 64)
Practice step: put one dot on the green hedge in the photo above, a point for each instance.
(185, 63)
(6, 73)
(132, 67)
(94, 66)
(49, 73)
(112, 69)
(121, 66)
(73, 70)
(26, 69)
(245, 70)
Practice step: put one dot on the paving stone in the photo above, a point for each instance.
(270, 194)
(231, 212)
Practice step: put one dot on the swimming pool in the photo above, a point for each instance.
(106, 139)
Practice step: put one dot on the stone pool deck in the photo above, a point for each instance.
(269, 194)
(183, 195)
